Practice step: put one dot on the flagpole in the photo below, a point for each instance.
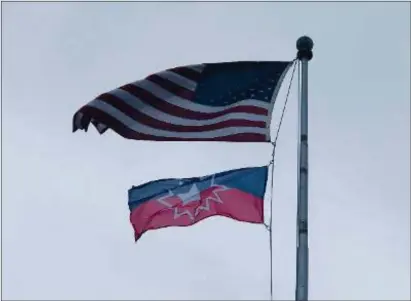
(304, 46)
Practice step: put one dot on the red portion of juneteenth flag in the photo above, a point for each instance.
(220, 200)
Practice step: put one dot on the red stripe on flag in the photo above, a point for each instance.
(171, 87)
(187, 72)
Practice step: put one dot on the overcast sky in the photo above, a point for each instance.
(66, 232)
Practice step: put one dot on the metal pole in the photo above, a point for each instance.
(304, 46)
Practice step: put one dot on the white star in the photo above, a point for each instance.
(192, 195)
(163, 201)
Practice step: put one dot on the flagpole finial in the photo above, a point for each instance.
(305, 46)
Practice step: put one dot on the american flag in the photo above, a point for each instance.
(230, 101)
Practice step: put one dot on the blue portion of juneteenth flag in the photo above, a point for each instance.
(251, 180)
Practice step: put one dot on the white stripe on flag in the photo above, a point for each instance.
(178, 79)
(199, 68)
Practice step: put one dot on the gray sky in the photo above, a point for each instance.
(66, 233)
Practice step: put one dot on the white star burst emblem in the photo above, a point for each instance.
(193, 195)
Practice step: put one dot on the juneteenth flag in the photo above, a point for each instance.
(237, 194)
(230, 101)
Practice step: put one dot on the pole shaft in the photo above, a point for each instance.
(302, 194)
(304, 46)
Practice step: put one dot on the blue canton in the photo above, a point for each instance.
(227, 83)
